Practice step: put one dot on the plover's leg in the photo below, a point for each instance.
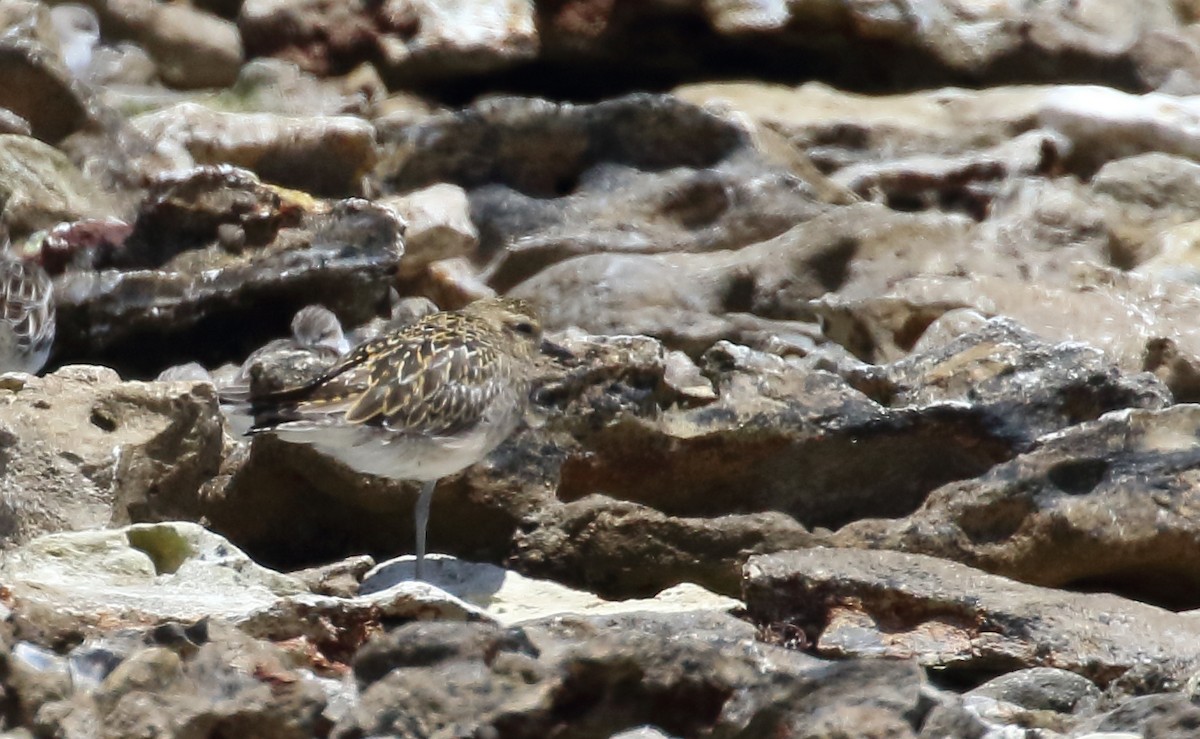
(423, 501)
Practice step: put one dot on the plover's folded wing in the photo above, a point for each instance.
(430, 387)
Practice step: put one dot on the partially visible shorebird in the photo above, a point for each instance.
(317, 341)
(419, 403)
(78, 31)
(317, 326)
(26, 314)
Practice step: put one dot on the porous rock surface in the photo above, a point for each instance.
(871, 414)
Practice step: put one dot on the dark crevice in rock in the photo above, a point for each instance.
(1078, 476)
(659, 58)
(1155, 583)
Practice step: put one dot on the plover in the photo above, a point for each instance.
(419, 403)
(26, 314)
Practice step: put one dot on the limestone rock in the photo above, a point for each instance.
(84, 450)
(1102, 504)
(639, 174)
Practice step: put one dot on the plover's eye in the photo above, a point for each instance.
(525, 327)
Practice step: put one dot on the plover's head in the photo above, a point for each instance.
(514, 320)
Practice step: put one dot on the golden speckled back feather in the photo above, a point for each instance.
(436, 377)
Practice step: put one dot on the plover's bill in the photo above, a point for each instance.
(26, 315)
(419, 403)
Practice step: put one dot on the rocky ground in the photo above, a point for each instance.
(879, 419)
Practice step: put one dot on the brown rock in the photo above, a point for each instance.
(192, 49)
(604, 545)
(326, 155)
(39, 87)
(412, 43)
(439, 226)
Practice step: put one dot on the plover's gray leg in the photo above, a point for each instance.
(422, 516)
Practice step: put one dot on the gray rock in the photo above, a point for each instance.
(339, 579)
(93, 661)
(957, 618)
(1014, 376)
(36, 674)
(152, 670)
(951, 719)
(1042, 688)
(684, 677)
(432, 644)
(234, 685)
(1167, 715)
(756, 295)
(644, 471)
(639, 174)
(967, 182)
(605, 545)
